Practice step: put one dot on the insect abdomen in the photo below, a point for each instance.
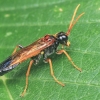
(6, 66)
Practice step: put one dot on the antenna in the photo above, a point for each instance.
(73, 22)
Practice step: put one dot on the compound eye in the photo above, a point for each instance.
(64, 37)
(60, 37)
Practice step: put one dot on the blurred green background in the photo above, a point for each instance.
(24, 21)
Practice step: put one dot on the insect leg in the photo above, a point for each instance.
(27, 75)
(18, 46)
(63, 51)
(52, 73)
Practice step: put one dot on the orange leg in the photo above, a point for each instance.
(27, 75)
(18, 46)
(63, 51)
(52, 73)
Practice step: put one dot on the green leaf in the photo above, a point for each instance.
(24, 21)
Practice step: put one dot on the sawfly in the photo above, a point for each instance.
(42, 48)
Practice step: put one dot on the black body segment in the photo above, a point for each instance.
(6, 66)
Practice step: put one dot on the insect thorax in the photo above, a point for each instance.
(44, 54)
(50, 50)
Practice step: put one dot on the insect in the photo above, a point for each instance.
(42, 48)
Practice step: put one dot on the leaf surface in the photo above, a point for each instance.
(24, 21)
